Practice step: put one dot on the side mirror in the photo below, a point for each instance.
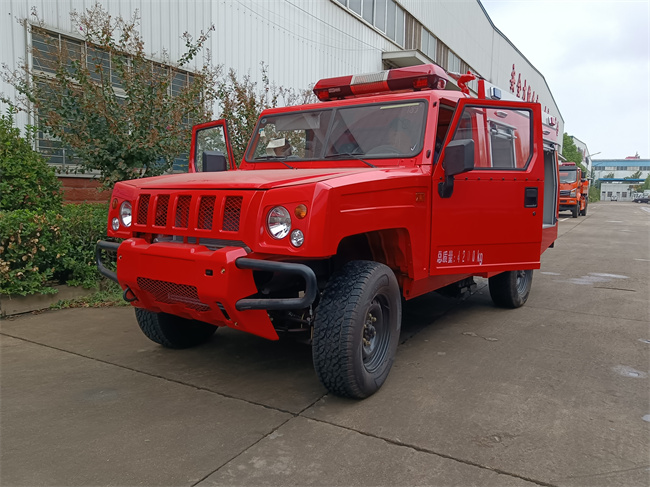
(459, 158)
(213, 161)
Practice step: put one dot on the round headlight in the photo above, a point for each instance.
(297, 238)
(126, 214)
(278, 222)
(115, 224)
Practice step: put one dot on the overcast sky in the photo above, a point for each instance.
(595, 57)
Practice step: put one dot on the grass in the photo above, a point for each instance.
(109, 295)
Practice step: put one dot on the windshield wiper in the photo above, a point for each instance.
(273, 158)
(349, 154)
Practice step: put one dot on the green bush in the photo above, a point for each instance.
(40, 249)
(83, 226)
(30, 248)
(26, 181)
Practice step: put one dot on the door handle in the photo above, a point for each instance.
(530, 198)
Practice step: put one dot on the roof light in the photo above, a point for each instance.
(413, 78)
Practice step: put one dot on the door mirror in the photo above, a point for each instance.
(213, 161)
(459, 157)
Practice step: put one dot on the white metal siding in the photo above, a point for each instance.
(300, 41)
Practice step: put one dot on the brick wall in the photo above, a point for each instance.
(80, 190)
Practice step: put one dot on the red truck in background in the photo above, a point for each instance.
(394, 185)
(574, 190)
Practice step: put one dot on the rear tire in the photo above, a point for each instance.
(510, 289)
(356, 329)
(173, 331)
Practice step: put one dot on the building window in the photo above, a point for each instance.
(46, 46)
(609, 194)
(429, 44)
(610, 168)
(385, 15)
(624, 194)
(453, 63)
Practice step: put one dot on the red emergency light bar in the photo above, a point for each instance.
(413, 78)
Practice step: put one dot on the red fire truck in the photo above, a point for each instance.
(394, 185)
(574, 190)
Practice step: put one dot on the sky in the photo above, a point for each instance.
(595, 57)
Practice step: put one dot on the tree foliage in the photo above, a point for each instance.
(128, 120)
(242, 102)
(571, 153)
(133, 120)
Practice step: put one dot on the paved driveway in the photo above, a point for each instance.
(554, 393)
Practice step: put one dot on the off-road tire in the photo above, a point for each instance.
(352, 353)
(575, 210)
(173, 331)
(510, 289)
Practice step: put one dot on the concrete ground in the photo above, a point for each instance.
(554, 393)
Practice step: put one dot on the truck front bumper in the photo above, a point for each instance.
(568, 203)
(192, 281)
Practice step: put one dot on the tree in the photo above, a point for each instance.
(646, 184)
(636, 175)
(242, 103)
(571, 153)
(129, 120)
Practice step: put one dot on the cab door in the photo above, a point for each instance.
(210, 150)
(489, 218)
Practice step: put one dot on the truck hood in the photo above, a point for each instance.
(257, 179)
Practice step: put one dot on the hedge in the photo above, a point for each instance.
(41, 248)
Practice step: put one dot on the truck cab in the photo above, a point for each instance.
(394, 185)
(574, 190)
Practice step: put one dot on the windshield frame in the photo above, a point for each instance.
(325, 153)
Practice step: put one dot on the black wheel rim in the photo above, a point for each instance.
(522, 282)
(375, 333)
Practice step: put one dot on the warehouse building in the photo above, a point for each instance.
(618, 177)
(300, 42)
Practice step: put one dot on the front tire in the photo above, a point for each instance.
(574, 211)
(356, 329)
(173, 331)
(511, 289)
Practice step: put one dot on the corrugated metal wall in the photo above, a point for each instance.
(300, 41)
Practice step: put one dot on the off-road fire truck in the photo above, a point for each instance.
(574, 190)
(392, 186)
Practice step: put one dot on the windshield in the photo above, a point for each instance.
(568, 176)
(388, 130)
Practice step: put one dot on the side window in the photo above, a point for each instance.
(502, 136)
(209, 140)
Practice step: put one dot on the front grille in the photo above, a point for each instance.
(188, 212)
(183, 211)
(143, 208)
(206, 211)
(162, 203)
(172, 293)
(231, 213)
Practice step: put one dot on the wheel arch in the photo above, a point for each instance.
(391, 246)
